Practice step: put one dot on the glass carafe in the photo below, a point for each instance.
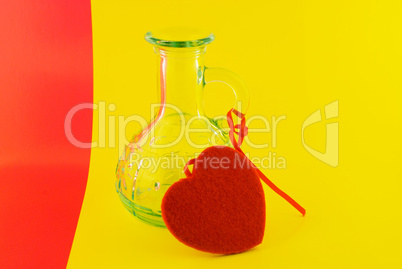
(154, 158)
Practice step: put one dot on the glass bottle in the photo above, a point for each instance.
(154, 158)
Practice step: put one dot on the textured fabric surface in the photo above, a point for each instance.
(220, 208)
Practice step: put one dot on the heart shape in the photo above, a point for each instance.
(220, 207)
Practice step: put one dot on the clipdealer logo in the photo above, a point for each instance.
(107, 125)
(331, 154)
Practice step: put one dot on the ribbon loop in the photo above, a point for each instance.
(242, 128)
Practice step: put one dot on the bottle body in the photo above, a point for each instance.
(145, 173)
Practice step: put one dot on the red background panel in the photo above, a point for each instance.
(45, 70)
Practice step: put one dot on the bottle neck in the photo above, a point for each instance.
(180, 78)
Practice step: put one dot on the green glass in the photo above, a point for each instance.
(155, 157)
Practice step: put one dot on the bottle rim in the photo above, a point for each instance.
(179, 38)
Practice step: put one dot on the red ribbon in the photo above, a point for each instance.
(241, 130)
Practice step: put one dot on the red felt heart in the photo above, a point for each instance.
(220, 208)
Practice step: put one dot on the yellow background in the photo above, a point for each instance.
(295, 57)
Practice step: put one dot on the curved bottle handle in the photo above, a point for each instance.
(233, 81)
